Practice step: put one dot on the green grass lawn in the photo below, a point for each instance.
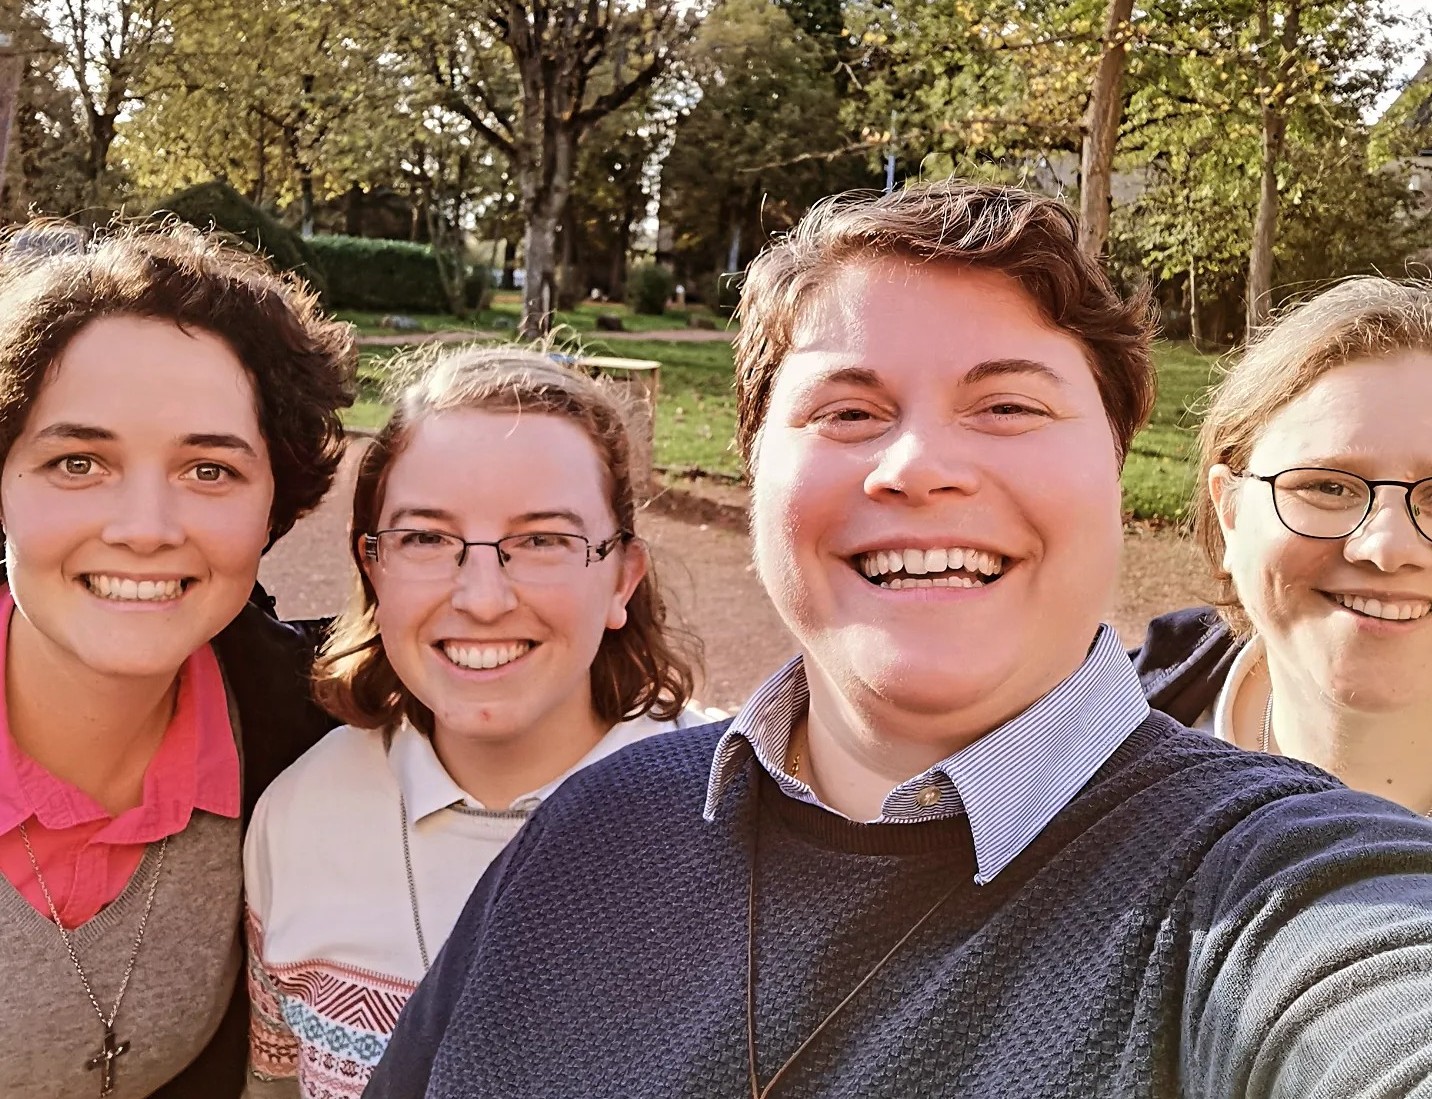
(696, 416)
(506, 312)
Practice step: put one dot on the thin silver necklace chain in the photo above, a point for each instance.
(108, 1023)
(1267, 738)
(408, 865)
(412, 883)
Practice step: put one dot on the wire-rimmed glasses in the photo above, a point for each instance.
(534, 557)
(1333, 503)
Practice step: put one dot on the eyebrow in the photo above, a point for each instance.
(87, 433)
(998, 368)
(438, 515)
(983, 371)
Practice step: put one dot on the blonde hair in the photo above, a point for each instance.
(1362, 318)
(646, 667)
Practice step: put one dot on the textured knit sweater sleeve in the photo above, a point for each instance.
(404, 1070)
(1310, 972)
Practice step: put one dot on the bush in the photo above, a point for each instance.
(648, 288)
(216, 205)
(390, 276)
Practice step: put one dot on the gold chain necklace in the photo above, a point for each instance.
(758, 1092)
(110, 1049)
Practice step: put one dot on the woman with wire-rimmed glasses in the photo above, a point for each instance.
(1314, 509)
(506, 631)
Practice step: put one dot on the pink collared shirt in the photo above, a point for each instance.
(87, 856)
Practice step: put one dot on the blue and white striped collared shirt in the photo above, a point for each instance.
(1010, 783)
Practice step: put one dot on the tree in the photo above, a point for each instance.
(739, 165)
(111, 49)
(532, 77)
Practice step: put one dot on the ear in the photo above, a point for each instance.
(1222, 490)
(634, 564)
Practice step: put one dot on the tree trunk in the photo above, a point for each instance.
(12, 69)
(1195, 326)
(1101, 131)
(101, 138)
(1258, 304)
(546, 182)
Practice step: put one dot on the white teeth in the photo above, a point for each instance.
(485, 656)
(134, 591)
(1386, 610)
(917, 562)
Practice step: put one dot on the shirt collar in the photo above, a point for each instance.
(427, 787)
(1242, 667)
(195, 767)
(1010, 783)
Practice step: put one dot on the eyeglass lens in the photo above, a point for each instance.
(539, 557)
(1325, 503)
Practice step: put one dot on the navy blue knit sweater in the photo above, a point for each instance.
(1199, 921)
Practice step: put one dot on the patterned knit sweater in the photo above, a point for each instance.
(1198, 921)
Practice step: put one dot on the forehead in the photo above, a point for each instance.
(491, 466)
(1373, 410)
(137, 376)
(928, 320)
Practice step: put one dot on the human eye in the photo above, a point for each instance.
(425, 539)
(211, 473)
(75, 467)
(545, 542)
(848, 421)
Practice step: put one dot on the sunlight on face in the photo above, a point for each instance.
(484, 476)
(1368, 418)
(136, 500)
(936, 504)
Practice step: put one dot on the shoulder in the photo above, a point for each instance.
(654, 776)
(329, 791)
(1183, 660)
(335, 779)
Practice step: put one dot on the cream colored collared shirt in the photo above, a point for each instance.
(333, 950)
(1220, 719)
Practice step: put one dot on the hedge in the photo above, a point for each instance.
(387, 275)
(217, 205)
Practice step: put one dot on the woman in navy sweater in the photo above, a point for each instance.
(948, 850)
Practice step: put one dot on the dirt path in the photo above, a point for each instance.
(705, 567)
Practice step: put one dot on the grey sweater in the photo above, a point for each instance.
(181, 985)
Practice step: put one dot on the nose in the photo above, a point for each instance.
(922, 462)
(1388, 538)
(482, 589)
(146, 514)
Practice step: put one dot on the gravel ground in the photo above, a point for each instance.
(705, 568)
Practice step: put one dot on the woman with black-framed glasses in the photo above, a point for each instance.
(1315, 512)
(506, 632)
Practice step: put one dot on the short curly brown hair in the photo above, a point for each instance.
(302, 363)
(1028, 237)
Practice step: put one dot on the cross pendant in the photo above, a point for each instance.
(104, 1060)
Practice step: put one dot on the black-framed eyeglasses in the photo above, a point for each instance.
(534, 557)
(1333, 503)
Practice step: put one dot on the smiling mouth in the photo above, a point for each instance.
(1390, 610)
(956, 567)
(483, 657)
(120, 589)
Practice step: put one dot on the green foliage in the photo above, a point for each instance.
(391, 275)
(217, 205)
(649, 288)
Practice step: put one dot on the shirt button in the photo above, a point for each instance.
(928, 797)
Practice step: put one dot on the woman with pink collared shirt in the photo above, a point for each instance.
(168, 409)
